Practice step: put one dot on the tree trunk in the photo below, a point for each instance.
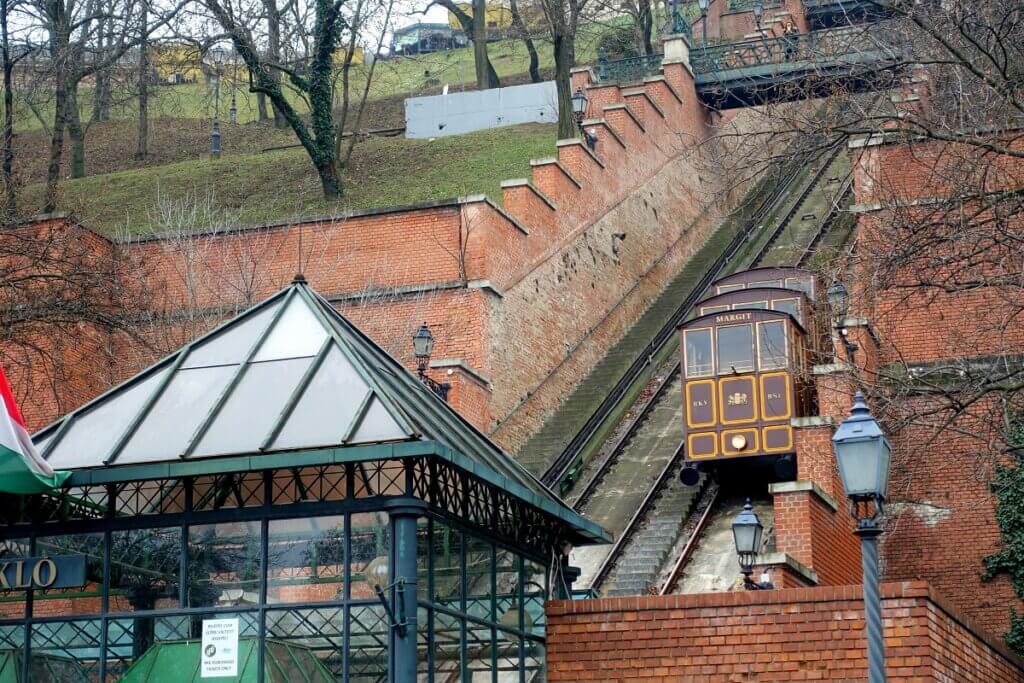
(563, 65)
(11, 208)
(486, 76)
(76, 132)
(142, 140)
(261, 106)
(274, 52)
(56, 143)
(520, 26)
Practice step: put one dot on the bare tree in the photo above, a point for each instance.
(474, 25)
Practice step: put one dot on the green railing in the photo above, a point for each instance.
(627, 69)
(748, 5)
(817, 48)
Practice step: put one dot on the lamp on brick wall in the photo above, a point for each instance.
(747, 531)
(758, 13)
(839, 302)
(863, 454)
(422, 347)
(703, 5)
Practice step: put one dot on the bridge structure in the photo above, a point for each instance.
(830, 46)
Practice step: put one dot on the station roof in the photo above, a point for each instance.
(289, 377)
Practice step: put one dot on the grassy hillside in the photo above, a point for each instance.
(254, 188)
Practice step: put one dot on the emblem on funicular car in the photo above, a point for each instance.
(738, 399)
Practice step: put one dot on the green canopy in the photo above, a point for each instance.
(41, 668)
(178, 662)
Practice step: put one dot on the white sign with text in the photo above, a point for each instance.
(220, 648)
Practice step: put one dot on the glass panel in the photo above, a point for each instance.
(185, 403)
(371, 539)
(306, 560)
(305, 644)
(76, 600)
(791, 306)
(757, 305)
(480, 653)
(447, 549)
(722, 289)
(65, 651)
(326, 407)
(423, 649)
(377, 425)
(735, 349)
(253, 407)
(764, 283)
(297, 333)
(145, 565)
(13, 606)
(507, 647)
(479, 574)
(368, 643)
(534, 595)
(800, 284)
(232, 345)
(708, 310)
(533, 662)
(12, 645)
(771, 345)
(89, 439)
(447, 647)
(507, 599)
(223, 564)
(698, 353)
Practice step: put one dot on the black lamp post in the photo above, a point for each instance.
(839, 302)
(233, 111)
(747, 531)
(677, 17)
(215, 131)
(758, 13)
(863, 454)
(579, 112)
(422, 347)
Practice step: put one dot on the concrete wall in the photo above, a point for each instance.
(457, 113)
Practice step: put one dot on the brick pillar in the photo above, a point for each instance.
(470, 392)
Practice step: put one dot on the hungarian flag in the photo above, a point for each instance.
(22, 469)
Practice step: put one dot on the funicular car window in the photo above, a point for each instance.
(771, 345)
(699, 361)
(735, 349)
(722, 289)
(708, 310)
(791, 306)
(764, 283)
(760, 305)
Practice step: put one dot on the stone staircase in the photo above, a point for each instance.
(642, 560)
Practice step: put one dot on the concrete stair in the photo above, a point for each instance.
(641, 563)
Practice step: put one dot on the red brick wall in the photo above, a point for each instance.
(782, 635)
(942, 512)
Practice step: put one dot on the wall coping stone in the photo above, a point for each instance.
(625, 107)
(487, 286)
(785, 559)
(831, 369)
(802, 486)
(655, 79)
(576, 141)
(635, 92)
(461, 364)
(523, 182)
(553, 160)
(890, 590)
(812, 421)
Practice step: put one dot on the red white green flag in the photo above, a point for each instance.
(22, 469)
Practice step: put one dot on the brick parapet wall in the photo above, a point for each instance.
(780, 635)
(817, 531)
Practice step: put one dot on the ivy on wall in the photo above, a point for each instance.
(1009, 490)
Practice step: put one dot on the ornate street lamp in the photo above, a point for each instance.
(758, 13)
(218, 59)
(422, 347)
(233, 111)
(579, 107)
(863, 454)
(747, 531)
(677, 17)
(839, 302)
(377, 573)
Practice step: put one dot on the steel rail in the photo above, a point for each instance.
(691, 544)
(627, 534)
(567, 458)
(655, 491)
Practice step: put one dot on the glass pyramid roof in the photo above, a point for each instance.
(290, 373)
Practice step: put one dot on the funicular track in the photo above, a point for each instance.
(697, 505)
